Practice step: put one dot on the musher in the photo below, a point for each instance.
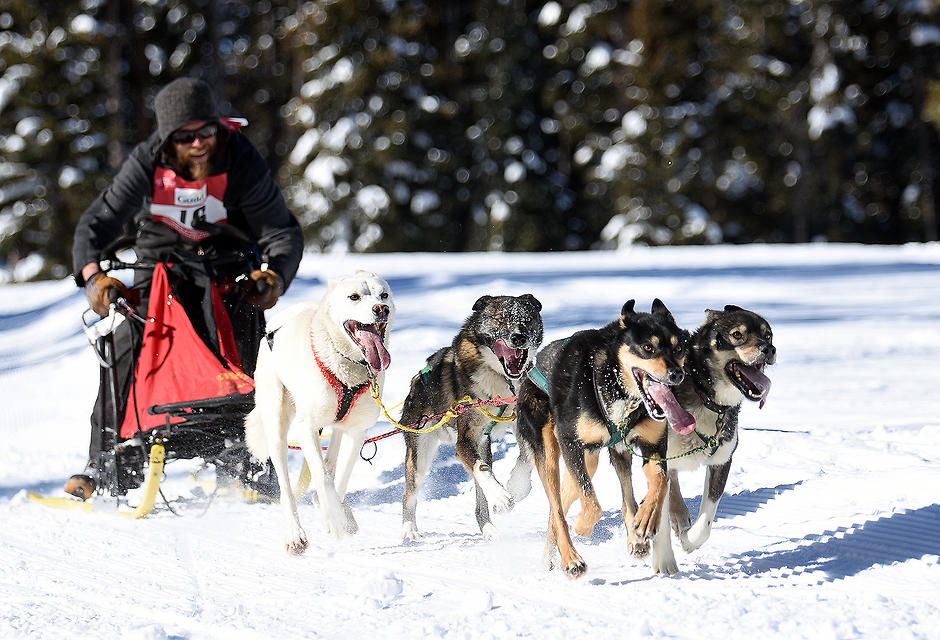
(196, 187)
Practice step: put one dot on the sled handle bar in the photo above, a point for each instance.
(261, 286)
(123, 306)
(100, 328)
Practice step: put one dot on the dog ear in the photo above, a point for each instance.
(733, 307)
(528, 297)
(481, 302)
(659, 309)
(711, 315)
(626, 312)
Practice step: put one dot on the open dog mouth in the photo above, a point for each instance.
(513, 360)
(661, 404)
(371, 340)
(749, 379)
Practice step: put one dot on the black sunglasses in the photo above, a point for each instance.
(187, 137)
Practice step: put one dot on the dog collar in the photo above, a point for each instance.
(702, 393)
(713, 442)
(720, 410)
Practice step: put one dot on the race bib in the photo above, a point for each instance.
(180, 203)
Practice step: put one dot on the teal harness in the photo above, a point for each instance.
(426, 375)
(536, 376)
(614, 430)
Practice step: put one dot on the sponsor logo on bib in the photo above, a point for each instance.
(183, 204)
(190, 197)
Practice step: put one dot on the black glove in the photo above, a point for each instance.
(263, 288)
(98, 291)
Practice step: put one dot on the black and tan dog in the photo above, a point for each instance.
(598, 389)
(494, 349)
(725, 366)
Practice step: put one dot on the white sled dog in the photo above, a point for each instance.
(315, 370)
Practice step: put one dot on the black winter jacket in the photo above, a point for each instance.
(254, 205)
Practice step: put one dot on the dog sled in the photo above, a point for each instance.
(188, 394)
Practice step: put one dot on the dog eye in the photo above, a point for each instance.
(648, 348)
(737, 335)
(354, 297)
(384, 295)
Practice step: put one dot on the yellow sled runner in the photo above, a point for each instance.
(149, 498)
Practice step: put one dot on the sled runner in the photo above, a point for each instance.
(188, 394)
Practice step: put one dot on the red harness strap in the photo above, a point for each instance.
(346, 396)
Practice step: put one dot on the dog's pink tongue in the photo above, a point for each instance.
(757, 378)
(512, 357)
(373, 347)
(678, 418)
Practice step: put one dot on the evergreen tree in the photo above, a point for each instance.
(778, 122)
(459, 138)
(53, 90)
(509, 125)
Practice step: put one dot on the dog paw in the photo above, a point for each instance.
(584, 527)
(665, 566)
(489, 532)
(334, 513)
(663, 559)
(680, 524)
(519, 485)
(696, 535)
(589, 516)
(500, 501)
(335, 524)
(576, 567)
(352, 527)
(639, 549)
(645, 522)
(297, 543)
(409, 531)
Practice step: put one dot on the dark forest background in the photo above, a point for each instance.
(495, 124)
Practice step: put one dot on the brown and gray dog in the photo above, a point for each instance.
(494, 349)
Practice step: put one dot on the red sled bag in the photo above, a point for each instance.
(174, 364)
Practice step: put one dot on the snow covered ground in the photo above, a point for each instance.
(829, 527)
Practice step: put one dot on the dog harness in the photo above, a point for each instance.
(346, 396)
(269, 337)
(536, 375)
(614, 430)
(617, 431)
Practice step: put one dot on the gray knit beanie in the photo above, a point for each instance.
(183, 101)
